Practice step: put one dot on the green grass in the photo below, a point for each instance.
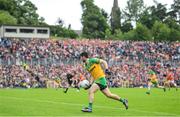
(51, 102)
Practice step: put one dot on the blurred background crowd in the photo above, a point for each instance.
(51, 60)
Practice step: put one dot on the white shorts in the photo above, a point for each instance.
(171, 81)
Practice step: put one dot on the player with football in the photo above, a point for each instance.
(71, 81)
(152, 80)
(98, 80)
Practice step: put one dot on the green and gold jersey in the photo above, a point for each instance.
(152, 76)
(58, 80)
(94, 68)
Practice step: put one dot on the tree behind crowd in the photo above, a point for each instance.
(93, 21)
(135, 22)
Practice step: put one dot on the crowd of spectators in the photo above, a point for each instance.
(51, 59)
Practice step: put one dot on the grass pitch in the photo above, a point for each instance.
(51, 102)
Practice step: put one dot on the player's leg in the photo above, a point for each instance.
(94, 88)
(58, 85)
(66, 89)
(176, 86)
(108, 94)
(76, 86)
(158, 86)
(68, 86)
(173, 84)
(167, 85)
(149, 87)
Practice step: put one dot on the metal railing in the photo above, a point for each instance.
(73, 61)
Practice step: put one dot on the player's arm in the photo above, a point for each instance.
(91, 80)
(90, 83)
(105, 66)
(73, 82)
(104, 63)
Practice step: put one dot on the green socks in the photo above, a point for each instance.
(90, 105)
(121, 100)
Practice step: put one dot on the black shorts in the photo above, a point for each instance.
(70, 82)
(102, 87)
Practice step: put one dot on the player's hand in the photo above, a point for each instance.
(88, 87)
(108, 72)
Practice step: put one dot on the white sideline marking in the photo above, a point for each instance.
(75, 104)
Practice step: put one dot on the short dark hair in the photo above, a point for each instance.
(85, 54)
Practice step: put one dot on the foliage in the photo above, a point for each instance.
(93, 21)
(146, 18)
(126, 26)
(6, 18)
(118, 34)
(175, 10)
(160, 31)
(59, 31)
(23, 10)
(172, 23)
(159, 11)
(152, 14)
(154, 21)
(129, 35)
(142, 33)
(104, 13)
(174, 35)
(108, 34)
(134, 10)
